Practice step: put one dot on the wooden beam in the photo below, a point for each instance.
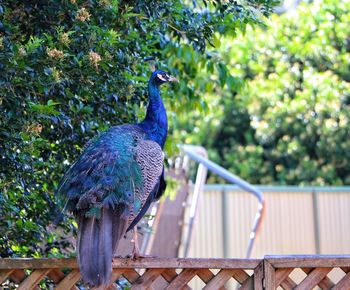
(29, 263)
(309, 261)
(298, 261)
(191, 263)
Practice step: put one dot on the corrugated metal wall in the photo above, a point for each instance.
(297, 221)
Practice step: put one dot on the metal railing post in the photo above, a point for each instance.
(190, 150)
(316, 221)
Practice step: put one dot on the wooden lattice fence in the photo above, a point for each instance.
(316, 270)
(272, 272)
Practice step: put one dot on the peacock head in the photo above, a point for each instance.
(159, 77)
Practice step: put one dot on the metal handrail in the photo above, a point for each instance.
(198, 188)
(192, 152)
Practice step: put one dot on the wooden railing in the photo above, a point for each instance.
(171, 273)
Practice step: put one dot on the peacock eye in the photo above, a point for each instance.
(162, 77)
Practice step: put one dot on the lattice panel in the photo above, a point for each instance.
(172, 279)
(141, 274)
(307, 272)
(153, 278)
(19, 279)
(315, 278)
(272, 272)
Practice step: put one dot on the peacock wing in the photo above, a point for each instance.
(149, 156)
(107, 174)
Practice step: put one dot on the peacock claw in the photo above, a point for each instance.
(136, 256)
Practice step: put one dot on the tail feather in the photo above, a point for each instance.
(97, 241)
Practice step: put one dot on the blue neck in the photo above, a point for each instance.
(156, 121)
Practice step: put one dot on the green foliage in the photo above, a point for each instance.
(290, 123)
(70, 69)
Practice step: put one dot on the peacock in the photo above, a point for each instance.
(112, 184)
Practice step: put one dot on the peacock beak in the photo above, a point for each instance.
(172, 79)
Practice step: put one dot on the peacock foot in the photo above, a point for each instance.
(137, 255)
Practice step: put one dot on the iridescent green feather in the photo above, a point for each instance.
(106, 174)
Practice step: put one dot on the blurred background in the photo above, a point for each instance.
(286, 129)
(281, 123)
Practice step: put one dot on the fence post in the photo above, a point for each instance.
(269, 275)
(259, 276)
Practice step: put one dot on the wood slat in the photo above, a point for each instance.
(205, 274)
(147, 279)
(18, 276)
(31, 282)
(313, 278)
(131, 275)
(69, 281)
(240, 276)
(4, 274)
(116, 273)
(282, 279)
(182, 279)
(169, 275)
(281, 275)
(248, 284)
(325, 284)
(219, 280)
(57, 275)
(288, 284)
(343, 284)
